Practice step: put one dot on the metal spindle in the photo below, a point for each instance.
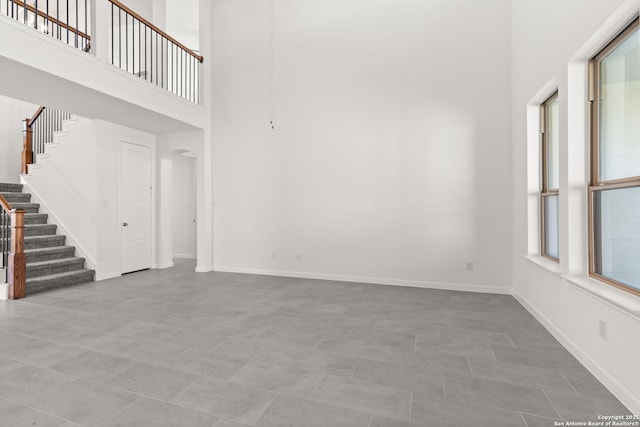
(77, 26)
(146, 70)
(67, 15)
(126, 40)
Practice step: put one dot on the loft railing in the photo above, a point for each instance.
(38, 132)
(143, 49)
(64, 20)
(12, 257)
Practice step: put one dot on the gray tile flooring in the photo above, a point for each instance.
(175, 348)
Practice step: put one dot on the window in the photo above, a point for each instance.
(549, 196)
(614, 194)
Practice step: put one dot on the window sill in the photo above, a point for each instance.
(628, 303)
(546, 264)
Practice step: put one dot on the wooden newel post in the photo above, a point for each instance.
(27, 146)
(17, 264)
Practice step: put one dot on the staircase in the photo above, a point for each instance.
(50, 264)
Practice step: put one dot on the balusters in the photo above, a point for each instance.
(39, 15)
(153, 55)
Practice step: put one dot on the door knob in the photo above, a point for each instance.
(125, 224)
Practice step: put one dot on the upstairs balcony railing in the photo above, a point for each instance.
(143, 49)
(136, 45)
(64, 20)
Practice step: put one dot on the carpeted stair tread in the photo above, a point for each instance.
(16, 197)
(46, 254)
(35, 218)
(40, 230)
(34, 242)
(27, 207)
(59, 280)
(54, 266)
(10, 188)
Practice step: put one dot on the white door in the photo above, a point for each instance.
(136, 207)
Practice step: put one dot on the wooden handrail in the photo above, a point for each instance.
(35, 116)
(51, 19)
(131, 12)
(5, 205)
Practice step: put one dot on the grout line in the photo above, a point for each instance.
(493, 353)
(37, 410)
(524, 419)
(444, 386)
(120, 411)
(411, 407)
(551, 403)
(569, 382)
(316, 388)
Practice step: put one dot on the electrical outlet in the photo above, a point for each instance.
(299, 257)
(603, 330)
(274, 255)
(469, 266)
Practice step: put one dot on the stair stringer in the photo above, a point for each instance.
(64, 183)
(63, 230)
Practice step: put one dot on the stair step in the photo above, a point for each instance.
(36, 230)
(10, 188)
(27, 207)
(47, 268)
(48, 254)
(40, 230)
(60, 280)
(12, 197)
(35, 218)
(37, 242)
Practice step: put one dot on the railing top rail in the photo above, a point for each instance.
(36, 115)
(52, 19)
(5, 205)
(155, 28)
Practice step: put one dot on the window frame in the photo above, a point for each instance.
(596, 184)
(545, 191)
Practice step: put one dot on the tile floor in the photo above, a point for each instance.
(175, 348)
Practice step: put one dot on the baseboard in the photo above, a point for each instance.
(184, 256)
(54, 219)
(163, 266)
(107, 276)
(372, 280)
(631, 401)
(4, 291)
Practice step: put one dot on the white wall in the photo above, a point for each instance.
(184, 206)
(388, 158)
(65, 186)
(551, 42)
(12, 113)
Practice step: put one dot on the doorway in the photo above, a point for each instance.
(135, 173)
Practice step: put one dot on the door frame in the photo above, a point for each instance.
(152, 153)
